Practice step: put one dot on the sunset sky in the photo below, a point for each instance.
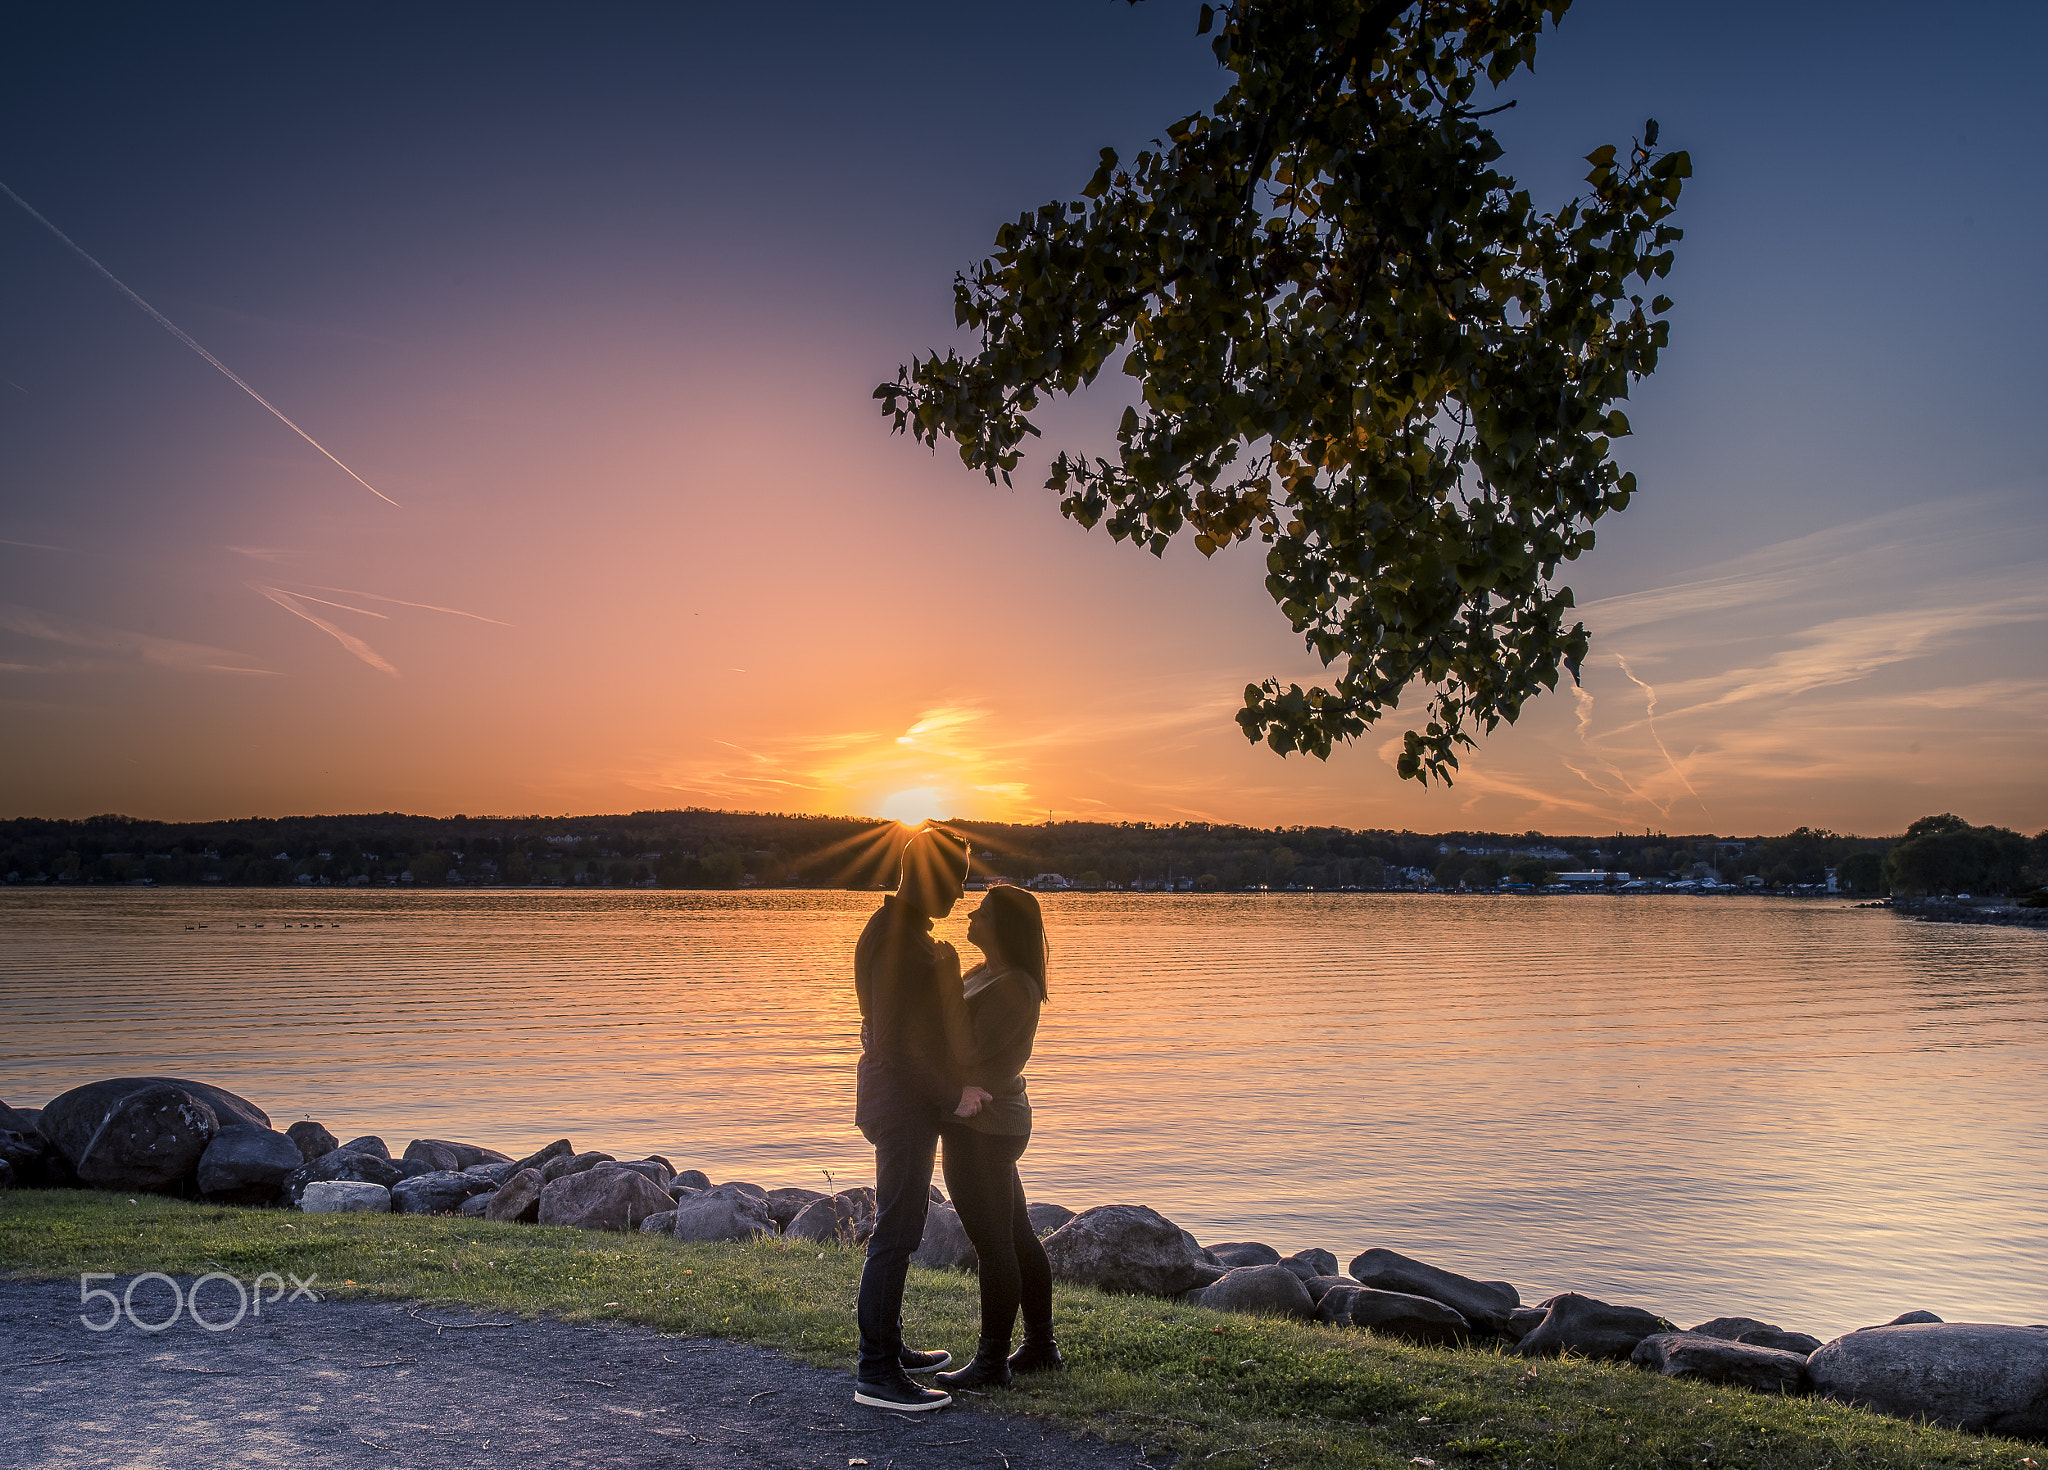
(598, 296)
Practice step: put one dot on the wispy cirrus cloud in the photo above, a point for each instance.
(126, 646)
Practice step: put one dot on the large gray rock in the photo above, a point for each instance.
(441, 1192)
(439, 1154)
(656, 1174)
(1977, 1376)
(1904, 1319)
(1046, 1218)
(517, 1199)
(1757, 1334)
(369, 1143)
(312, 1139)
(32, 1161)
(151, 1138)
(342, 1164)
(1481, 1303)
(345, 1197)
(1409, 1317)
(753, 1189)
(1268, 1289)
(1523, 1321)
(1234, 1253)
(786, 1204)
(661, 1224)
(690, 1179)
(945, 1246)
(1129, 1248)
(563, 1165)
(245, 1164)
(1589, 1328)
(833, 1217)
(1721, 1360)
(473, 1208)
(19, 1120)
(1318, 1287)
(1334, 1305)
(723, 1213)
(72, 1118)
(609, 1199)
(1311, 1263)
(560, 1148)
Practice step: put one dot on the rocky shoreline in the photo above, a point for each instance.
(1955, 911)
(175, 1136)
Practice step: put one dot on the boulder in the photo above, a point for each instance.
(609, 1199)
(151, 1138)
(245, 1164)
(1730, 1328)
(755, 1190)
(563, 1165)
(23, 1153)
(312, 1140)
(517, 1199)
(786, 1204)
(661, 1224)
(1588, 1328)
(1310, 1264)
(1128, 1248)
(1046, 1218)
(1267, 1289)
(1334, 1306)
(342, 1164)
(412, 1168)
(723, 1213)
(1523, 1321)
(1482, 1304)
(690, 1179)
(1409, 1317)
(1757, 1334)
(345, 1197)
(945, 1246)
(439, 1192)
(1975, 1376)
(474, 1207)
(1234, 1253)
(370, 1144)
(72, 1118)
(1721, 1360)
(832, 1217)
(655, 1174)
(446, 1157)
(19, 1120)
(560, 1148)
(1318, 1287)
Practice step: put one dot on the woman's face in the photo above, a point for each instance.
(981, 929)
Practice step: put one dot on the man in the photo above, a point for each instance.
(906, 981)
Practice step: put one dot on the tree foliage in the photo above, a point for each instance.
(1353, 338)
(1945, 854)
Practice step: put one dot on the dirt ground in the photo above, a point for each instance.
(358, 1383)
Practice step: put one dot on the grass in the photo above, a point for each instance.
(1236, 1392)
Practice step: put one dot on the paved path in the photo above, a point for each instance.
(362, 1383)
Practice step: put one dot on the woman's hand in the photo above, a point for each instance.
(971, 1099)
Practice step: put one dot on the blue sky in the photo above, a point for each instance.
(598, 297)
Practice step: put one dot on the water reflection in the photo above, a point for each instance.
(1814, 1114)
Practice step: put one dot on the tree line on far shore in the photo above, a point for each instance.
(712, 849)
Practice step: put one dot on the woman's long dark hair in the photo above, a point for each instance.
(1019, 930)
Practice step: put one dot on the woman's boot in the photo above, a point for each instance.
(988, 1368)
(1038, 1353)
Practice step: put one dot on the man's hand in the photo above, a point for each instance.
(971, 1099)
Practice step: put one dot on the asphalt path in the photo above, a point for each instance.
(384, 1384)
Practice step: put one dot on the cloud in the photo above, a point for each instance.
(348, 641)
(147, 648)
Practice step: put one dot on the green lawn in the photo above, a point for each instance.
(1237, 1392)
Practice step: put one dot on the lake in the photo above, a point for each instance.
(1801, 1111)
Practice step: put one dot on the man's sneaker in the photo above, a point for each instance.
(914, 1361)
(901, 1395)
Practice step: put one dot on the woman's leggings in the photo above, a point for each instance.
(982, 1178)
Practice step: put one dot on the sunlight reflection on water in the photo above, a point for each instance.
(1818, 1115)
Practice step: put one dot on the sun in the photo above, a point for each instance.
(915, 806)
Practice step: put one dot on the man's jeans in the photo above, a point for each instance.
(904, 1150)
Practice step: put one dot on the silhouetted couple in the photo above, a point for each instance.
(942, 1057)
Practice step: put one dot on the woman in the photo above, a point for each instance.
(992, 1036)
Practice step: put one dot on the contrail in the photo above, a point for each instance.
(1650, 719)
(176, 331)
(400, 601)
(349, 641)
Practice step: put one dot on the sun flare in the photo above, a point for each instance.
(914, 806)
